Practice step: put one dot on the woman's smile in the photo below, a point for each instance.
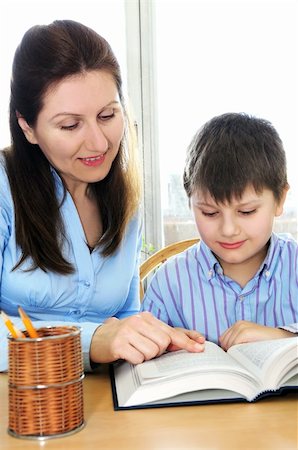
(93, 161)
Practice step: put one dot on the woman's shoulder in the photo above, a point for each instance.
(2, 159)
(134, 226)
(4, 183)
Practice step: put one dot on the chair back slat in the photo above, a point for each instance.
(158, 258)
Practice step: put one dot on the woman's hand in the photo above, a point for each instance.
(139, 338)
(243, 331)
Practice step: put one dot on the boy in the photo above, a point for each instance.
(240, 282)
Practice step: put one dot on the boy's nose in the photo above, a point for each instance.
(230, 227)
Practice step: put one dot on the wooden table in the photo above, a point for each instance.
(268, 424)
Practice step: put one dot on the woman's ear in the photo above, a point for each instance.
(27, 130)
(280, 204)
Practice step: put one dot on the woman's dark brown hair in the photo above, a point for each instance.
(46, 55)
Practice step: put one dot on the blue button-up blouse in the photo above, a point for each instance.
(100, 287)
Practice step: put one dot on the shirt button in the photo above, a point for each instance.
(267, 273)
(241, 297)
(87, 283)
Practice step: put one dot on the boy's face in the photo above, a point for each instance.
(237, 233)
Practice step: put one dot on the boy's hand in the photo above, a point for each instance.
(244, 331)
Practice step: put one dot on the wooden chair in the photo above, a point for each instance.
(154, 261)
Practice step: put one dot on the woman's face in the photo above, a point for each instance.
(80, 127)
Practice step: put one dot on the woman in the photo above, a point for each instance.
(69, 199)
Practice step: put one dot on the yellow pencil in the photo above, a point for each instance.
(14, 331)
(27, 322)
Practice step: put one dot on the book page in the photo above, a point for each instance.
(176, 373)
(181, 361)
(179, 372)
(259, 356)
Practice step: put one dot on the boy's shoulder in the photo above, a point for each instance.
(283, 248)
(284, 239)
(188, 256)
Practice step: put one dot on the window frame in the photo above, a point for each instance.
(142, 92)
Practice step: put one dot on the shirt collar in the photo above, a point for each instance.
(268, 266)
(208, 261)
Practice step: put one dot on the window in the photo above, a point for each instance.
(183, 61)
(216, 56)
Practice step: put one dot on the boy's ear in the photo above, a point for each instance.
(280, 205)
(27, 130)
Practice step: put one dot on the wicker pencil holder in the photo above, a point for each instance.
(46, 383)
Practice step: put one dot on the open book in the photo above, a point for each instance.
(244, 372)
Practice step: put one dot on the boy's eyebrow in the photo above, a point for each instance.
(204, 204)
(214, 205)
(247, 203)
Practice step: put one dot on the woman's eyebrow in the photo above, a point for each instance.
(73, 114)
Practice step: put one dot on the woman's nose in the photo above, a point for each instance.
(95, 139)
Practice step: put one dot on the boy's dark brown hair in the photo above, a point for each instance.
(231, 152)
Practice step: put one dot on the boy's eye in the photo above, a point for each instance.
(209, 214)
(247, 213)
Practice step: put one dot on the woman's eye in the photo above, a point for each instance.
(106, 115)
(69, 127)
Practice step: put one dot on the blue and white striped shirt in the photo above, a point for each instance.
(191, 291)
